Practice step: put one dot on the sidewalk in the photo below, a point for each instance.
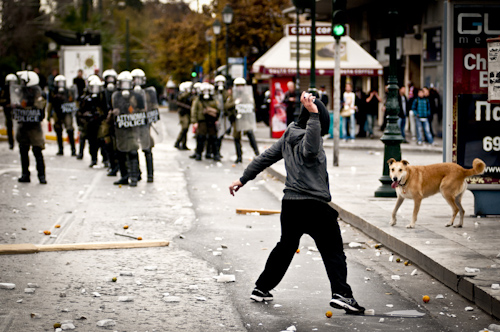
(443, 252)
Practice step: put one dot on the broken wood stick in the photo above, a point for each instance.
(130, 236)
(28, 248)
(260, 211)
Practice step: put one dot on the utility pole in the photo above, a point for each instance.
(338, 30)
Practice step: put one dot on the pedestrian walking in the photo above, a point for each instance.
(372, 110)
(305, 206)
(348, 113)
(422, 110)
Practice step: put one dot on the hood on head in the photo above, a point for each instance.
(324, 117)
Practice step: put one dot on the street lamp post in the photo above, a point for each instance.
(208, 39)
(217, 29)
(227, 18)
(392, 135)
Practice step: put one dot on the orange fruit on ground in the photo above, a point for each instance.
(426, 298)
(46, 232)
(125, 227)
(139, 238)
(329, 314)
(298, 250)
(57, 226)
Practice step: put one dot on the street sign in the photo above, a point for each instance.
(472, 123)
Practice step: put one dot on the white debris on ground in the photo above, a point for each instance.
(106, 323)
(472, 270)
(225, 278)
(6, 285)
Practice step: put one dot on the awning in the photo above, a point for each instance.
(280, 60)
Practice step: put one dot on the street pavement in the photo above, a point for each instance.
(430, 246)
(446, 253)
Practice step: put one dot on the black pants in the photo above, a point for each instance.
(319, 220)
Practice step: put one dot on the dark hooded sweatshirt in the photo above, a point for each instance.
(301, 146)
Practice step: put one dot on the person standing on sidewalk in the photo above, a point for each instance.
(403, 111)
(422, 110)
(305, 206)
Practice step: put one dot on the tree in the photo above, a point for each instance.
(21, 32)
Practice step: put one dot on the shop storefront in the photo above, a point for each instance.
(279, 66)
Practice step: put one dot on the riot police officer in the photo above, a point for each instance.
(205, 113)
(241, 109)
(108, 129)
(92, 112)
(139, 78)
(10, 79)
(220, 96)
(28, 110)
(184, 100)
(61, 108)
(131, 126)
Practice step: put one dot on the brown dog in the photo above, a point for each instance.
(419, 182)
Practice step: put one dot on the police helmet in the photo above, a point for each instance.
(125, 80)
(239, 81)
(109, 76)
(170, 84)
(60, 81)
(10, 79)
(219, 78)
(197, 87)
(92, 77)
(139, 77)
(30, 78)
(95, 85)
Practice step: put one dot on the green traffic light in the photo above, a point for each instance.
(338, 30)
(193, 74)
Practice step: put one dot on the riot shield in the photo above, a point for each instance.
(131, 124)
(153, 115)
(223, 124)
(27, 103)
(245, 108)
(70, 98)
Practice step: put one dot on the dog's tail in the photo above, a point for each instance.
(478, 167)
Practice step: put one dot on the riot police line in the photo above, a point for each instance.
(215, 111)
(114, 116)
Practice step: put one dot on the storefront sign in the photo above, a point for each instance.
(475, 121)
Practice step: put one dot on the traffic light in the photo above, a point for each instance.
(339, 18)
(194, 73)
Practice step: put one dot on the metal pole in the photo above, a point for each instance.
(227, 54)
(209, 60)
(127, 46)
(312, 84)
(216, 64)
(297, 77)
(392, 135)
(336, 104)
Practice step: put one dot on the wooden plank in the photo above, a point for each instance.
(102, 245)
(260, 211)
(16, 249)
(28, 248)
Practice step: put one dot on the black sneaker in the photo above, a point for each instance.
(260, 296)
(349, 304)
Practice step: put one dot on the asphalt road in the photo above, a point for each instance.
(190, 206)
